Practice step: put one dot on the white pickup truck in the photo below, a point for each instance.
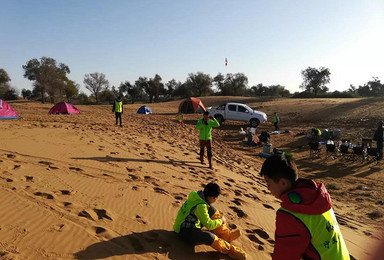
(237, 112)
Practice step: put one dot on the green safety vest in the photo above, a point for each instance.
(325, 232)
(119, 106)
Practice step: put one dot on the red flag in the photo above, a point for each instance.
(226, 62)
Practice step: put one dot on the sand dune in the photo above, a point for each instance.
(78, 187)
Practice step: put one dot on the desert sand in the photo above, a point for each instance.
(79, 187)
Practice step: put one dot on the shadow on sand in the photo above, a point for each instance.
(156, 241)
(170, 161)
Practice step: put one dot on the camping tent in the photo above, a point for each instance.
(6, 111)
(191, 105)
(144, 110)
(64, 108)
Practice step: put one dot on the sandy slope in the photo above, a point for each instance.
(79, 187)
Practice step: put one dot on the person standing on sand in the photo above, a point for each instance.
(180, 119)
(205, 125)
(276, 120)
(379, 138)
(306, 226)
(118, 109)
(197, 212)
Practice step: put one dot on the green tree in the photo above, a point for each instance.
(234, 84)
(71, 90)
(48, 77)
(171, 85)
(200, 84)
(95, 82)
(156, 88)
(26, 93)
(219, 81)
(4, 78)
(315, 80)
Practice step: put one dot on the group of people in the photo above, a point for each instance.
(306, 226)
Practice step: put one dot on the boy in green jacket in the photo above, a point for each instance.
(205, 125)
(197, 212)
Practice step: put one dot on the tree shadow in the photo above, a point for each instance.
(117, 159)
(157, 241)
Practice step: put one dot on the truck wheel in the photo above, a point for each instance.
(219, 118)
(254, 122)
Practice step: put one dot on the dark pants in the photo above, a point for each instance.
(196, 236)
(118, 117)
(276, 127)
(208, 144)
(380, 148)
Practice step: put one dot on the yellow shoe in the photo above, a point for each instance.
(232, 251)
(237, 253)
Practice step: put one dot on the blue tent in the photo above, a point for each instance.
(144, 110)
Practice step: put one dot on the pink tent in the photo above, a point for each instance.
(64, 108)
(6, 111)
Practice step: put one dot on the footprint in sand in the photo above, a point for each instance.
(141, 220)
(44, 195)
(67, 204)
(17, 166)
(102, 213)
(45, 163)
(240, 213)
(65, 192)
(9, 180)
(11, 156)
(76, 169)
(58, 227)
(86, 214)
(160, 190)
(52, 167)
(252, 196)
(268, 206)
(228, 184)
(238, 202)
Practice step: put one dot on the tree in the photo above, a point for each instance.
(315, 80)
(4, 78)
(26, 93)
(200, 84)
(171, 85)
(135, 91)
(48, 76)
(219, 81)
(71, 90)
(95, 82)
(234, 84)
(156, 88)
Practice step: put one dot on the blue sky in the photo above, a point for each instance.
(269, 41)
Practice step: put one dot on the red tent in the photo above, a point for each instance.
(191, 105)
(64, 108)
(6, 111)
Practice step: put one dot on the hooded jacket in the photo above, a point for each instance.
(194, 214)
(306, 226)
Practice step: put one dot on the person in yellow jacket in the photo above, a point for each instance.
(118, 109)
(197, 212)
(205, 125)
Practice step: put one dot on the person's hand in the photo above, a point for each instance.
(223, 219)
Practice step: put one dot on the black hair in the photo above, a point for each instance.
(280, 166)
(212, 189)
(206, 113)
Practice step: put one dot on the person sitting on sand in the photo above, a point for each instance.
(306, 226)
(197, 212)
(205, 125)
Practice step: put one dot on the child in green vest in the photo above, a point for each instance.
(306, 226)
(197, 212)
